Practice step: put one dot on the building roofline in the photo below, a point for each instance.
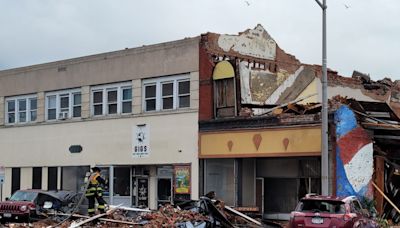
(105, 55)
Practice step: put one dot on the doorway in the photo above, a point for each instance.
(140, 192)
(164, 191)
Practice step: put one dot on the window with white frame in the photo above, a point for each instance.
(111, 99)
(21, 109)
(65, 104)
(166, 93)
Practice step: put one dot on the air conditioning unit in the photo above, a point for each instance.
(63, 115)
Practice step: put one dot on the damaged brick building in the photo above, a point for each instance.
(260, 127)
(234, 114)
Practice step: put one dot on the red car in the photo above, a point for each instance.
(329, 211)
(27, 205)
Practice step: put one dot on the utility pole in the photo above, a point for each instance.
(324, 111)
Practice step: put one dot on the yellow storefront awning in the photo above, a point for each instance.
(278, 142)
(223, 69)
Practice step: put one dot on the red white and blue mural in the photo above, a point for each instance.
(354, 156)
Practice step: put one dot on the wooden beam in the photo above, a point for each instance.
(383, 194)
(395, 137)
(101, 219)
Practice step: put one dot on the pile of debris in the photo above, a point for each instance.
(201, 213)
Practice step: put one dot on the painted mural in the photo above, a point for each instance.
(354, 156)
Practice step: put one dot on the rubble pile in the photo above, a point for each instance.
(170, 216)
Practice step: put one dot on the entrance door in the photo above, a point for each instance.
(164, 190)
(260, 194)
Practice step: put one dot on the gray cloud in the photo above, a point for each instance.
(362, 37)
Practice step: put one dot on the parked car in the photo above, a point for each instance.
(28, 205)
(329, 211)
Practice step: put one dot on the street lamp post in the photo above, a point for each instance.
(324, 111)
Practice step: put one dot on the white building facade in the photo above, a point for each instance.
(132, 112)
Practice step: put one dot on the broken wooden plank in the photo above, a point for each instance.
(74, 225)
(130, 208)
(101, 219)
(383, 194)
(243, 215)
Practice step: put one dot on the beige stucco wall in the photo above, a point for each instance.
(148, 61)
(104, 142)
(2, 111)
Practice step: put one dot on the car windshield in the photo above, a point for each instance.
(23, 196)
(326, 206)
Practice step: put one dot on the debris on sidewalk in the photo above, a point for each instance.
(201, 213)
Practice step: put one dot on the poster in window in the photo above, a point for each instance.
(143, 192)
(182, 179)
(140, 141)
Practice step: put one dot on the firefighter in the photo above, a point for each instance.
(95, 191)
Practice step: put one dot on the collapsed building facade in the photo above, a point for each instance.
(260, 125)
(234, 114)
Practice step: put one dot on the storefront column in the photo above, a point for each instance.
(111, 183)
(153, 188)
(45, 177)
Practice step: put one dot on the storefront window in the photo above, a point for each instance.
(73, 177)
(122, 184)
(219, 178)
(105, 174)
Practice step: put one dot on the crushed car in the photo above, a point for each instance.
(30, 205)
(330, 211)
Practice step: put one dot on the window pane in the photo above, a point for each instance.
(151, 105)
(22, 117)
(64, 102)
(126, 107)
(127, 94)
(184, 101)
(150, 91)
(11, 118)
(167, 89)
(33, 115)
(112, 96)
(33, 103)
(98, 97)
(98, 110)
(51, 114)
(22, 105)
(112, 108)
(11, 106)
(77, 99)
(168, 103)
(77, 111)
(184, 87)
(51, 102)
(122, 181)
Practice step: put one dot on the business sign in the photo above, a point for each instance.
(182, 179)
(140, 141)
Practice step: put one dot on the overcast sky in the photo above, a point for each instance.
(363, 35)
